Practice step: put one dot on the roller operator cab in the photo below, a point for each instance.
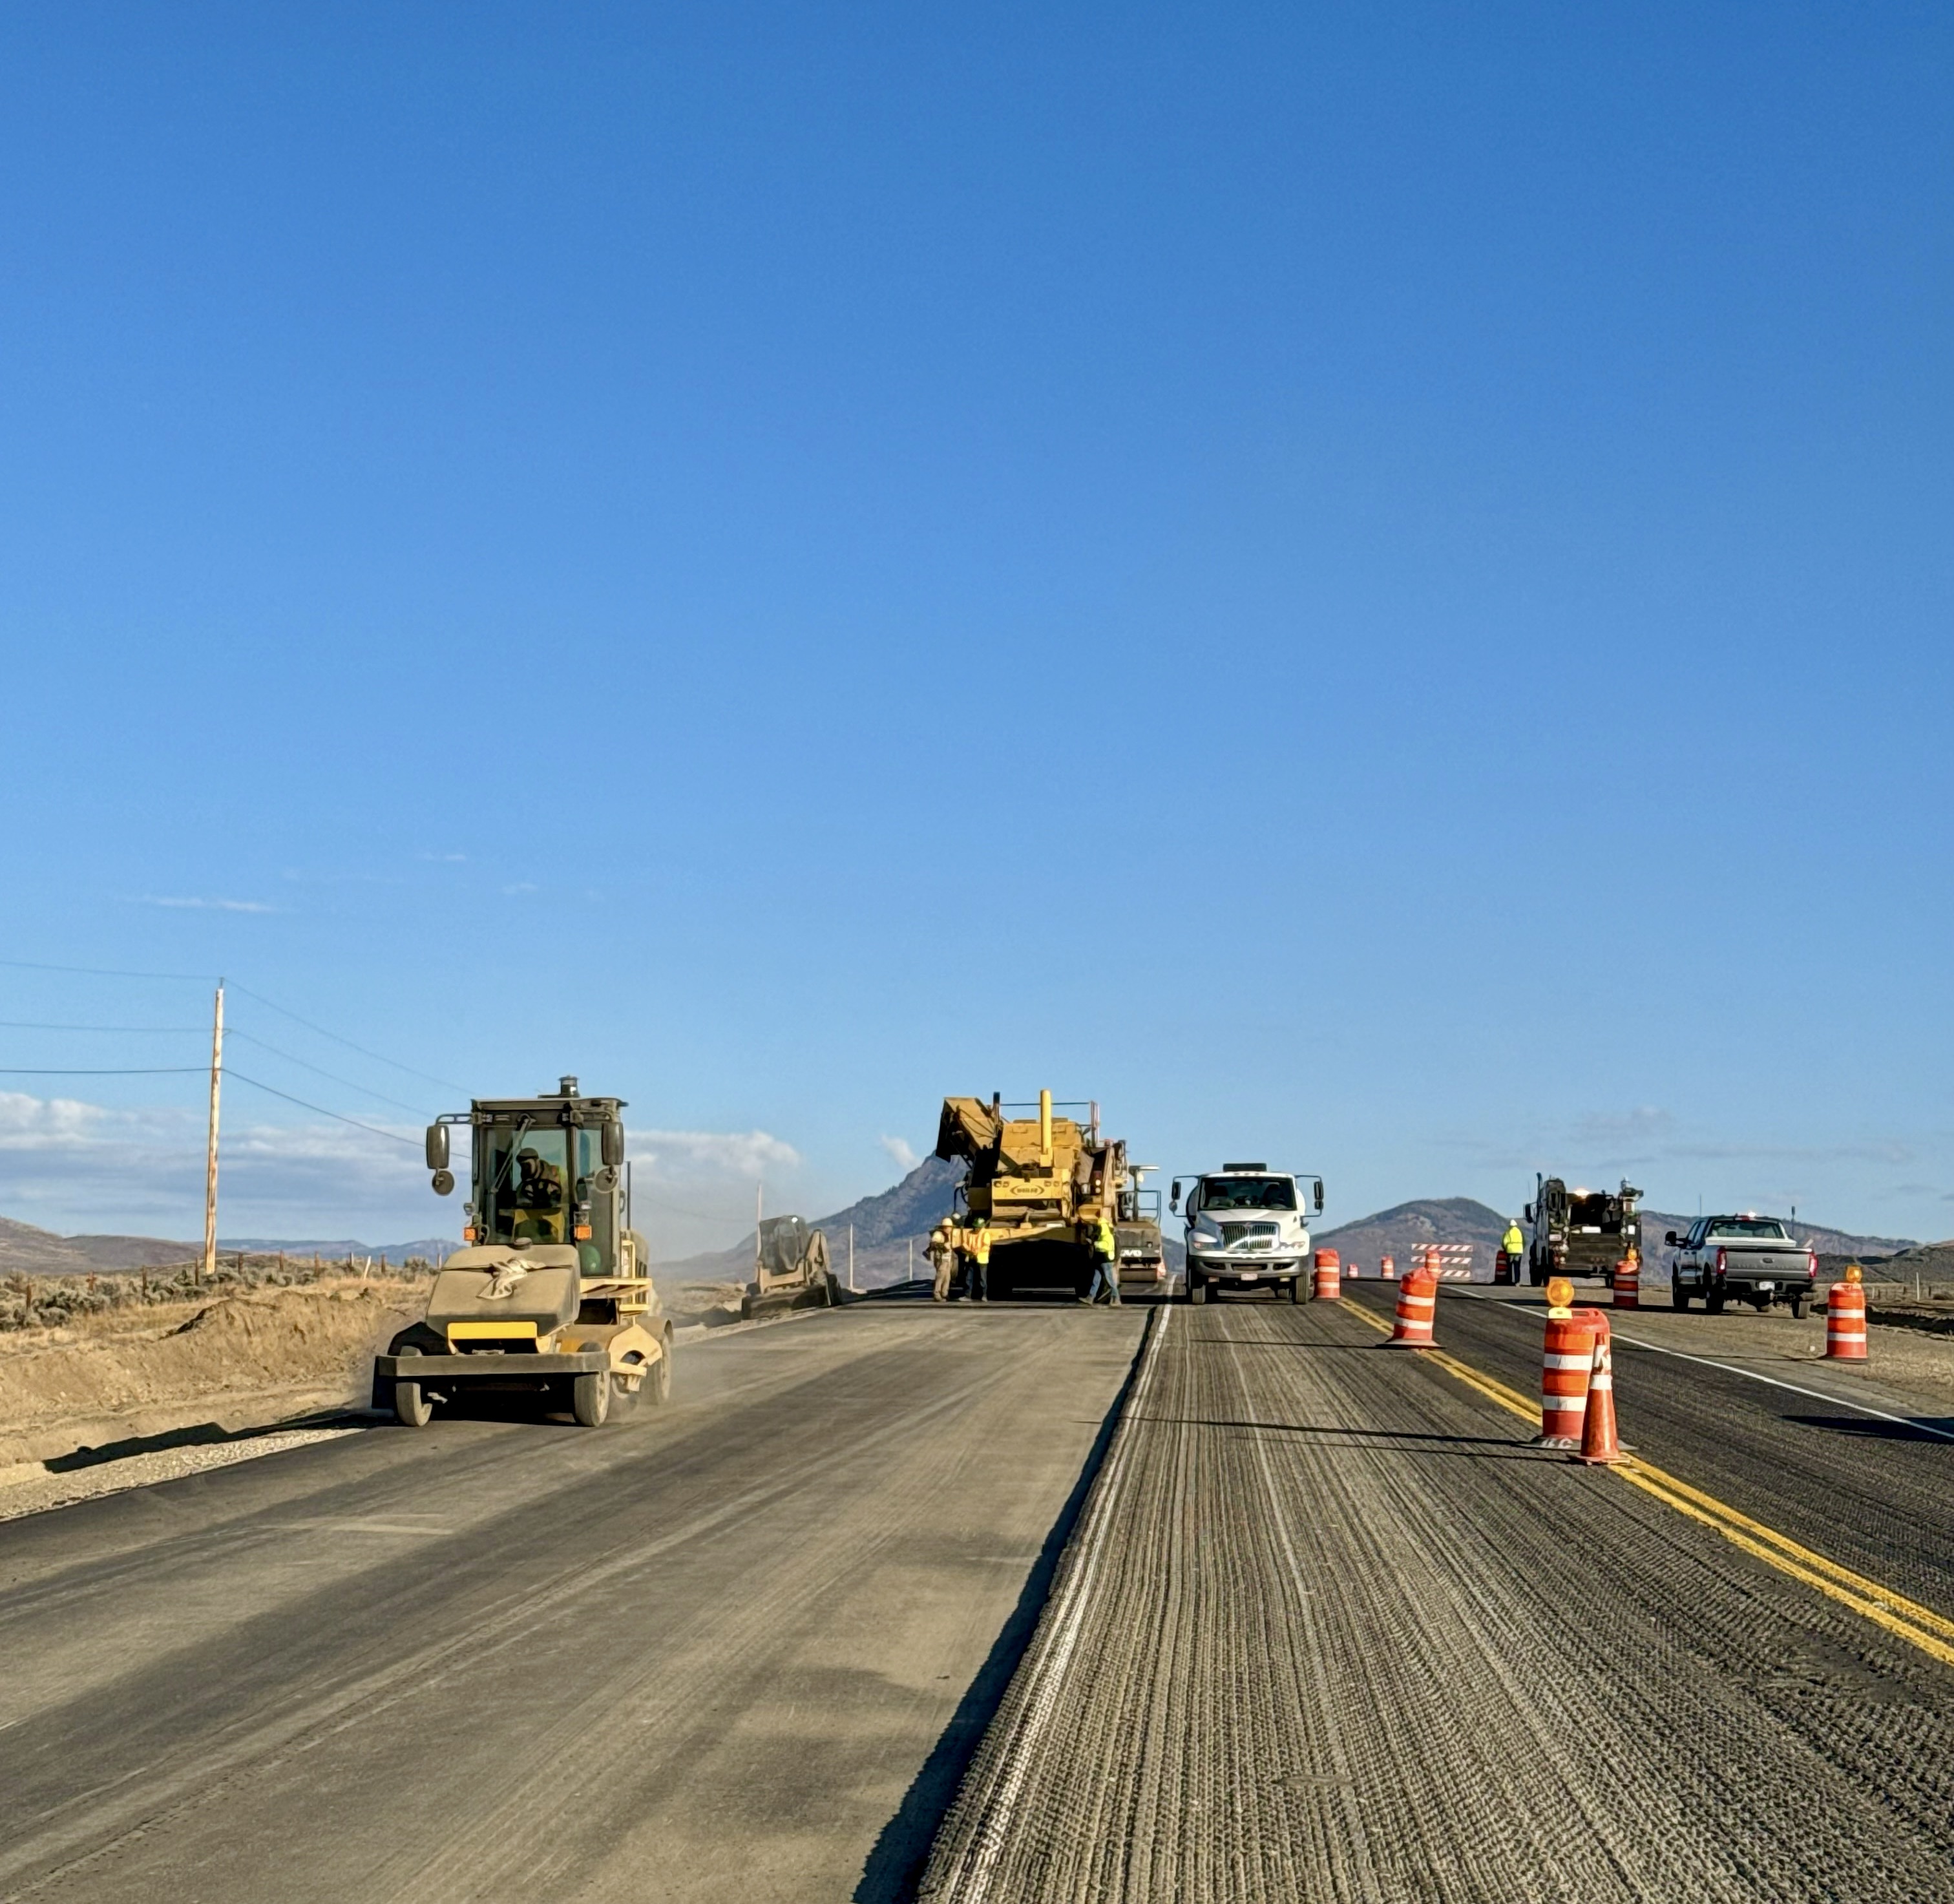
(550, 1295)
(1247, 1228)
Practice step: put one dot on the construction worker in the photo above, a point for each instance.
(1105, 1264)
(538, 1199)
(980, 1262)
(1514, 1244)
(943, 1260)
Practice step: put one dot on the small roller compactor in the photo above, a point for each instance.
(552, 1296)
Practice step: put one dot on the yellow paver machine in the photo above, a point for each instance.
(1038, 1187)
(552, 1296)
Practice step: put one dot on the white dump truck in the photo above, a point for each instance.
(1247, 1228)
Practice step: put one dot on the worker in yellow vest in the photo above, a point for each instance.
(980, 1262)
(1514, 1247)
(1105, 1264)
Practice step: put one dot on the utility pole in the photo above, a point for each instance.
(210, 1158)
(851, 1259)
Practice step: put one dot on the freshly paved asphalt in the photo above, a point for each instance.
(737, 1648)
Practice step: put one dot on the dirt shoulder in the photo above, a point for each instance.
(239, 1360)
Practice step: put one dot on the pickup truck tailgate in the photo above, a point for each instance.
(1778, 1262)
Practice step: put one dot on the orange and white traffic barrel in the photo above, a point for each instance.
(1567, 1358)
(1846, 1318)
(1387, 1269)
(1329, 1276)
(1629, 1282)
(1417, 1309)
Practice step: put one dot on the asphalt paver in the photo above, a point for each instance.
(1331, 1628)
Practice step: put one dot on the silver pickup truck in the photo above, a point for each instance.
(1754, 1259)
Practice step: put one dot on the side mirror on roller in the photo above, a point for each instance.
(1526, 1212)
(437, 1148)
(613, 1141)
(444, 1182)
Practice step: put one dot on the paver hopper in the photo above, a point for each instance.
(1037, 1190)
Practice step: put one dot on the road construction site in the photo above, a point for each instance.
(1024, 1600)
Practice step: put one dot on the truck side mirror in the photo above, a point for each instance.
(444, 1182)
(437, 1147)
(1670, 1239)
(1319, 1196)
(613, 1142)
(1526, 1211)
(1174, 1196)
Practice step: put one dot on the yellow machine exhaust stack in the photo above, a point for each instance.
(1045, 1129)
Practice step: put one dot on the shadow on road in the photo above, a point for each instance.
(1865, 1428)
(202, 1434)
(895, 1865)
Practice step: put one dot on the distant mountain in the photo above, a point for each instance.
(1398, 1232)
(891, 1229)
(1402, 1230)
(25, 1250)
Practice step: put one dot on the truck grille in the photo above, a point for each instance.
(1249, 1236)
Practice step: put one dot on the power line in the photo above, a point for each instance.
(97, 1071)
(101, 972)
(34, 1025)
(446, 1083)
(419, 1110)
(393, 1136)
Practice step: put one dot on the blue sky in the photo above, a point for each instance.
(1366, 586)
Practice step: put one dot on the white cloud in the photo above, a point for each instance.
(701, 1155)
(905, 1159)
(212, 905)
(71, 1166)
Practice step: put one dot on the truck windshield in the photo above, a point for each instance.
(1247, 1193)
(524, 1186)
(1596, 1210)
(1766, 1226)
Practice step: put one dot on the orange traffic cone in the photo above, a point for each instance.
(1846, 1318)
(1418, 1308)
(1601, 1445)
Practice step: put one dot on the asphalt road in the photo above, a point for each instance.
(1330, 1628)
(1872, 1493)
(740, 1649)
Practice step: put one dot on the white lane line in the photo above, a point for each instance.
(1769, 1381)
(971, 1880)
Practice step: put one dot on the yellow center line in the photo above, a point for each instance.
(1919, 1626)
